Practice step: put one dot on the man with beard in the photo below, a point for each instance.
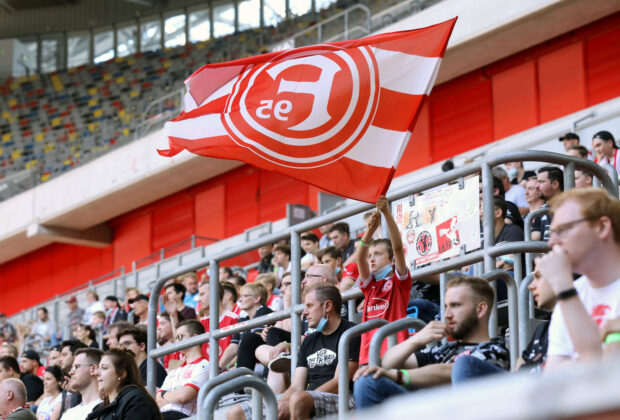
(413, 365)
(550, 181)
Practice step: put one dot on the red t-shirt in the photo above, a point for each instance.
(387, 299)
(227, 319)
(351, 271)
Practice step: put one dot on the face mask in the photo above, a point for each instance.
(513, 172)
(381, 274)
(337, 270)
(322, 322)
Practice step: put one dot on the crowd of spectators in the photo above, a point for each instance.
(87, 375)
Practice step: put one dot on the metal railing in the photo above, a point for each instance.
(374, 350)
(487, 254)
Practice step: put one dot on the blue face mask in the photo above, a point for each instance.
(337, 270)
(322, 323)
(513, 172)
(381, 274)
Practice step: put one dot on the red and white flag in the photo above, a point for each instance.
(337, 115)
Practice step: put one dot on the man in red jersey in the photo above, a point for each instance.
(227, 318)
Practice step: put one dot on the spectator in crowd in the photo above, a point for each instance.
(130, 293)
(114, 313)
(367, 218)
(175, 292)
(8, 349)
(413, 365)
(516, 173)
(225, 273)
(53, 358)
(579, 151)
(550, 183)
(339, 235)
(124, 394)
(585, 239)
(605, 149)
(512, 211)
(310, 244)
(325, 241)
(7, 329)
(569, 140)
(94, 305)
(583, 178)
(333, 257)
(113, 330)
(252, 300)
(13, 401)
(49, 407)
(86, 335)
(513, 193)
(134, 339)
(68, 349)
(269, 281)
(227, 318)
(231, 295)
(504, 232)
(165, 336)
(83, 382)
(534, 356)
(177, 396)
(140, 307)
(314, 391)
(265, 254)
(74, 318)
(97, 320)
(29, 364)
(9, 368)
(237, 281)
(190, 281)
(281, 261)
(45, 327)
(386, 289)
(532, 195)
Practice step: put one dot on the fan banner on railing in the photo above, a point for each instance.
(336, 115)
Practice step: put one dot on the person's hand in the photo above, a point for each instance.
(376, 372)
(610, 326)
(555, 268)
(277, 350)
(373, 223)
(263, 333)
(383, 205)
(170, 305)
(284, 411)
(434, 330)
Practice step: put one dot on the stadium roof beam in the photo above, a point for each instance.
(149, 3)
(99, 236)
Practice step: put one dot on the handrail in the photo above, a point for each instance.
(374, 350)
(248, 381)
(343, 361)
(216, 381)
(527, 233)
(524, 312)
(511, 285)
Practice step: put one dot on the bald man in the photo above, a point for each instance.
(13, 400)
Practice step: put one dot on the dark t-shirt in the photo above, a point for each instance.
(161, 373)
(34, 386)
(263, 310)
(541, 224)
(512, 212)
(509, 233)
(535, 354)
(493, 351)
(348, 251)
(319, 354)
(188, 313)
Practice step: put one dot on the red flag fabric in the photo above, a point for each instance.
(336, 115)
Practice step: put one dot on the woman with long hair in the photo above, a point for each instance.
(49, 408)
(124, 395)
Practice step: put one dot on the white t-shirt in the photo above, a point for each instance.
(194, 374)
(80, 411)
(602, 304)
(46, 408)
(516, 194)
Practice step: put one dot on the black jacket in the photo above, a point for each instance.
(132, 403)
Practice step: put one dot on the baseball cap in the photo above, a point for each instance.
(569, 136)
(32, 355)
(72, 299)
(139, 297)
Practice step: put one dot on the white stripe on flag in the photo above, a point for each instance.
(225, 89)
(406, 73)
(209, 125)
(378, 147)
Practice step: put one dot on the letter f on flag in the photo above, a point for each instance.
(337, 116)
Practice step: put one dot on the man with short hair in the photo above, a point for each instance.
(585, 238)
(177, 396)
(29, 365)
(227, 318)
(583, 178)
(346, 276)
(175, 292)
(74, 318)
(550, 182)
(113, 330)
(281, 261)
(113, 311)
(310, 245)
(134, 339)
(225, 273)
(13, 401)
(579, 151)
(190, 281)
(9, 367)
(318, 273)
(140, 306)
(165, 335)
(265, 253)
(569, 140)
(413, 365)
(512, 193)
(340, 237)
(68, 349)
(84, 383)
(314, 390)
